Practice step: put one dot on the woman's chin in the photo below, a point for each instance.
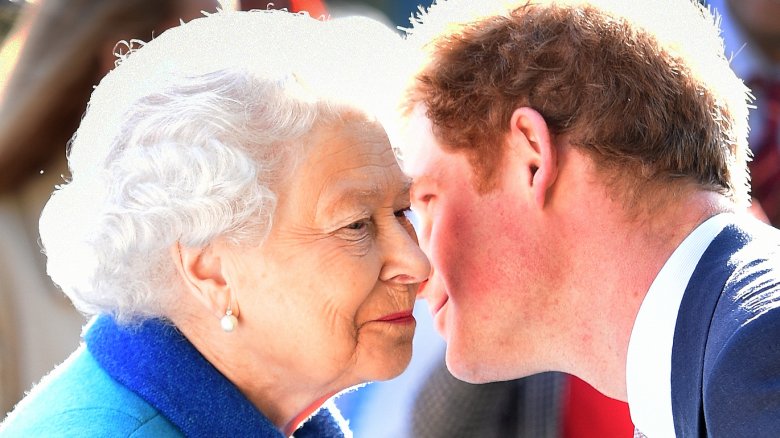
(390, 365)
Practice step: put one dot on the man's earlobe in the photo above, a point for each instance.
(529, 131)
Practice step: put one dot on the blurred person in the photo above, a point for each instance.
(541, 405)
(529, 407)
(55, 56)
(236, 223)
(580, 173)
(49, 65)
(751, 33)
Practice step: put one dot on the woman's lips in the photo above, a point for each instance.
(398, 317)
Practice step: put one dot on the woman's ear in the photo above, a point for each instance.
(201, 271)
(528, 131)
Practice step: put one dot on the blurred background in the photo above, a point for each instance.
(8, 12)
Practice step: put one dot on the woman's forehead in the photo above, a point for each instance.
(350, 163)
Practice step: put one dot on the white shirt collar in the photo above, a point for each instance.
(649, 361)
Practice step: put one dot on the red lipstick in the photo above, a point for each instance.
(398, 317)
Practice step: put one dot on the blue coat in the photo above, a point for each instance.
(726, 351)
(147, 381)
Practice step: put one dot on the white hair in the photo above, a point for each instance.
(185, 140)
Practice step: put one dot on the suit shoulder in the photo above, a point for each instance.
(742, 377)
(79, 399)
(753, 289)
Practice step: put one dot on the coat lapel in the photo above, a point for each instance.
(156, 361)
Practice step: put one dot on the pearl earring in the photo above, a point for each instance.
(229, 321)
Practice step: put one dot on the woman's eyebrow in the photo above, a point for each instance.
(338, 198)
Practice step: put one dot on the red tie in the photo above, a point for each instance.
(765, 167)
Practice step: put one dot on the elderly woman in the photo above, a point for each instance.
(236, 223)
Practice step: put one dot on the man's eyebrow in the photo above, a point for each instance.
(419, 180)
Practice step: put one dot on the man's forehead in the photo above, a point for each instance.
(421, 180)
(418, 143)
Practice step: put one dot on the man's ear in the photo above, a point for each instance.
(528, 131)
(201, 271)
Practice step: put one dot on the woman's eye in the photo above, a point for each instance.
(358, 231)
(358, 226)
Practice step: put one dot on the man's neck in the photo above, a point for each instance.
(620, 262)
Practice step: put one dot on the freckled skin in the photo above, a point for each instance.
(333, 264)
(486, 287)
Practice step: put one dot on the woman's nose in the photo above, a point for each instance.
(405, 262)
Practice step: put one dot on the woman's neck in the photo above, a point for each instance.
(283, 400)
